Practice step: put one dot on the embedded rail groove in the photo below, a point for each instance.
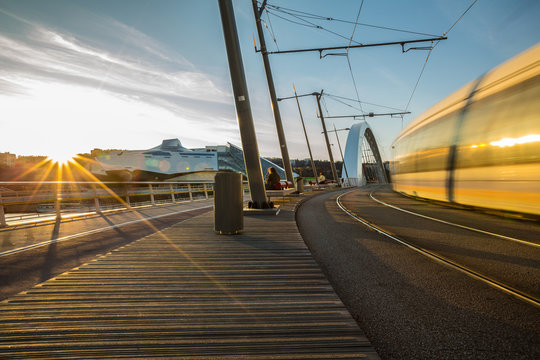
(439, 258)
(524, 242)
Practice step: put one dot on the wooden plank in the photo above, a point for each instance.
(189, 293)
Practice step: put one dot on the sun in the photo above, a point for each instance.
(61, 158)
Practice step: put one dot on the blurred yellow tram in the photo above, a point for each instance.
(481, 145)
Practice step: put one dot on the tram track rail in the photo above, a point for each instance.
(524, 242)
(433, 255)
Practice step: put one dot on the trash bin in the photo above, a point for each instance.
(299, 185)
(228, 203)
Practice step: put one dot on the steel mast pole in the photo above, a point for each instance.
(307, 141)
(273, 98)
(342, 158)
(334, 172)
(243, 108)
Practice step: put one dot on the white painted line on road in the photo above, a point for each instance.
(494, 283)
(69, 237)
(524, 242)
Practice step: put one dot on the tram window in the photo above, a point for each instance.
(435, 139)
(494, 125)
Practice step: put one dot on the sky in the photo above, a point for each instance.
(125, 74)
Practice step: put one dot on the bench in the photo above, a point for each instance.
(279, 193)
(323, 185)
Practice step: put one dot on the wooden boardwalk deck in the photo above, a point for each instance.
(189, 293)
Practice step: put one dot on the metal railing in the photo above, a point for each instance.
(30, 199)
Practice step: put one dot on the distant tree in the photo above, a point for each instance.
(304, 169)
(95, 153)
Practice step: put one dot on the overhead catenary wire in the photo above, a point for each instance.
(355, 24)
(344, 103)
(430, 51)
(323, 101)
(271, 29)
(418, 79)
(325, 18)
(454, 24)
(349, 60)
(270, 32)
(309, 24)
(364, 102)
(301, 19)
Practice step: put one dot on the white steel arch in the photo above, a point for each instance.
(353, 155)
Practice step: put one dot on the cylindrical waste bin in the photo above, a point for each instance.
(299, 185)
(228, 203)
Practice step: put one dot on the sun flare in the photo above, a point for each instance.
(61, 158)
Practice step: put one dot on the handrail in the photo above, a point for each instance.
(106, 182)
(45, 194)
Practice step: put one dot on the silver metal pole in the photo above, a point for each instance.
(307, 140)
(243, 108)
(2, 213)
(172, 194)
(152, 194)
(126, 190)
(333, 165)
(57, 200)
(96, 200)
(273, 97)
(341, 152)
(190, 193)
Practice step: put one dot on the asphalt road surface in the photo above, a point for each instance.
(412, 307)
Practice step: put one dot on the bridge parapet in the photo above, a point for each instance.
(29, 199)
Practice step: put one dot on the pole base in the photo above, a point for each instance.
(234, 232)
(272, 211)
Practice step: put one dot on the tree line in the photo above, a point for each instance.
(304, 169)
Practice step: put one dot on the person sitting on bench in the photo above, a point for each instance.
(322, 179)
(272, 180)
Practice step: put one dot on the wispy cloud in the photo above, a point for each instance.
(146, 79)
(50, 54)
